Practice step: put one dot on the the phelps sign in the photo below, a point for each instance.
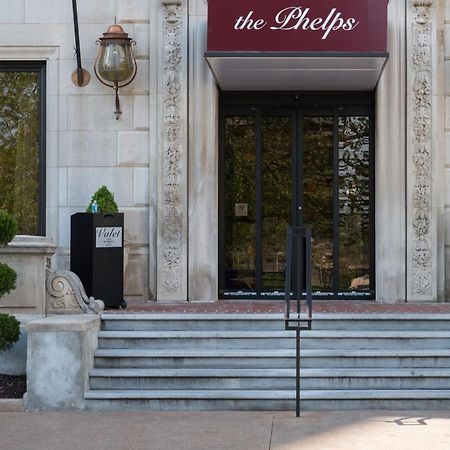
(297, 26)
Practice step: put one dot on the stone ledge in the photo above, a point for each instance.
(8, 405)
(30, 244)
(64, 323)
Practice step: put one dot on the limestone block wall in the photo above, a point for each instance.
(447, 145)
(86, 146)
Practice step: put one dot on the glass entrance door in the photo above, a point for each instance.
(292, 164)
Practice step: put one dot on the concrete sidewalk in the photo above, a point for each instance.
(356, 430)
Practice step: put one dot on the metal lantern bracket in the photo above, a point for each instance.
(80, 77)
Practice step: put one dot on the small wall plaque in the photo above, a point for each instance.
(241, 209)
(108, 237)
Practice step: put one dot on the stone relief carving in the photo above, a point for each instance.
(66, 294)
(172, 120)
(422, 152)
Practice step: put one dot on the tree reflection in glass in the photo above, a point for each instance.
(240, 203)
(318, 196)
(354, 195)
(19, 148)
(276, 198)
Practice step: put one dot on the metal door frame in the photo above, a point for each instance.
(298, 106)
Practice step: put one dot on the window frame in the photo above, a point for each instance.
(39, 67)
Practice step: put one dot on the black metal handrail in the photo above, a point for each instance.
(298, 286)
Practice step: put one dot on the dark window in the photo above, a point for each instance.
(22, 144)
(297, 160)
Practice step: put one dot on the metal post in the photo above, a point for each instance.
(308, 284)
(80, 75)
(288, 277)
(299, 243)
(299, 277)
(297, 373)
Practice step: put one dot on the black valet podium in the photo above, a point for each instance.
(96, 255)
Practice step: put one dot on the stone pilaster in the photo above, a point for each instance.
(171, 146)
(425, 167)
(390, 170)
(203, 163)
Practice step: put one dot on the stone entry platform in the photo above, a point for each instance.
(277, 306)
(192, 361)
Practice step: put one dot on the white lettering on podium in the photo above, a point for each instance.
(108, 237)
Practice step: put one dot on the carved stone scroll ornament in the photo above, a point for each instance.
(66, 294)
(422, 147)
(172, 233)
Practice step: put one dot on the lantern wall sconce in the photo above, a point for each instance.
(115, 65)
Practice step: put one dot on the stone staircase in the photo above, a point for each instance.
(247, 362)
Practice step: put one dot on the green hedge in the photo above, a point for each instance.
(8, 279)
(8, 228)
(9, 331)
(9, 325)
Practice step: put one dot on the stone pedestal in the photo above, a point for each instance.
(60, 354)
(30, 257)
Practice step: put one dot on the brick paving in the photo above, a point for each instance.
(277, 306)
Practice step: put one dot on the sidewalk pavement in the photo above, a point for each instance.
(354, 430)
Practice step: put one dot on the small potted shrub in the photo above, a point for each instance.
(96, 248)
(9, 325)
(103, 202)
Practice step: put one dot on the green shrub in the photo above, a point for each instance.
(8, 279)
(9, 325)
(9, 331)
(8, 227)
(105, 201)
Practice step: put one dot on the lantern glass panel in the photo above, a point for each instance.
(115, 61)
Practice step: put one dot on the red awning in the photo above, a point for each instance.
(278, 45)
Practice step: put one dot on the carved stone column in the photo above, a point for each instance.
(172, 151)
(425, 166)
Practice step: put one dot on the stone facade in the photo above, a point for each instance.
(86, 146)
(161, 157)
(446, 145)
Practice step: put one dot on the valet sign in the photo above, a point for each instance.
(106, 237)
(303, 26)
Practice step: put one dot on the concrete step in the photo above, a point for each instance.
(320, 339)
(270, 358)
(266, 379)
(266, 322)
(246, 362)
(272, 400)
